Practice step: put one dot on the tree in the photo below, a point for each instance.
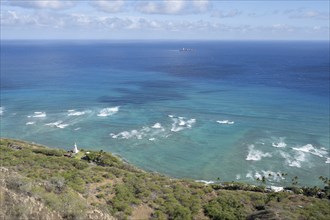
(294, 181)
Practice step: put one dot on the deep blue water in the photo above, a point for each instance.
(234, 110)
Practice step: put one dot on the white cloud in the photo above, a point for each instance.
(307, 14)
(112, 6)
(52, 21)
(226, 14)
(173, 7)
(283, 27)
(201, 5)
(43, 4)
(148, 7)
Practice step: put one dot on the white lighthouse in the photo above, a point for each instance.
(75, 149)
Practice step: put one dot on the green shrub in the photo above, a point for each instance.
(102, 158)
(55, 184)
(224, 207)
(49, 152)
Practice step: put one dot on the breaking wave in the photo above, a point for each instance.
(226, 122)
(38, 115)
(268, 174)
(181, 123)
(206, 182)
(57, 124)
(146, 132)
(308, 148)
(73, 112)
(256, 154)
(294, 161)
(108, 111)
(157, 130)
(280, 143)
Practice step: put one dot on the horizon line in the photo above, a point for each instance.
(104, 39)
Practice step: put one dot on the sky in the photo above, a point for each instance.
(165, 19)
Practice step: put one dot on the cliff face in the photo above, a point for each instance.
(37, 182)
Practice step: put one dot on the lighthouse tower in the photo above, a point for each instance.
(75, 149)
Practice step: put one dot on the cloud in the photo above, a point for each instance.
(15, 19)
(173, 7)
(227, 14)
(133, 26)
(283, 27)
(161, 7)
(302, 13)
(113, 6)
(201, 5)
(42, 4)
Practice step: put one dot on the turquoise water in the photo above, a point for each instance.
(233, 110)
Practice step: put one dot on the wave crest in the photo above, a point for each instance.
(108, 111)
(280, 143)
(180, 123)
(226, 122)
(2, 110)
(255, 154)
(57, 124)
(38, 115)
(75, 113)
(308, 148)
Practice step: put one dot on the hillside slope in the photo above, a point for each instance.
(37, 182)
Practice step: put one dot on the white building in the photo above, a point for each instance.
(75, 149)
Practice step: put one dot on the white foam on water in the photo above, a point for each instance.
(328, 160)
(2, 110)
(73, 112)
(255, 154)
(308, 148)
(238, 176)
(280, 143)
(181, 123)
(271, 175)
(57, 124)
(226, 122)
(205, 181)
(151, 133)
(128, 135)
(108, 111)
(63, 125)
(190, 122)
(249, 175)
(38, 115)
(158, 126)
(30, 123)
(156, 130)
(76, 129)
(294, 161)
(268, 174)
(257, 175)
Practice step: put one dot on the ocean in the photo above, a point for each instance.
(233, 110)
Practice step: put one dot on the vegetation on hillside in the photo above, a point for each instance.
(98, 185)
